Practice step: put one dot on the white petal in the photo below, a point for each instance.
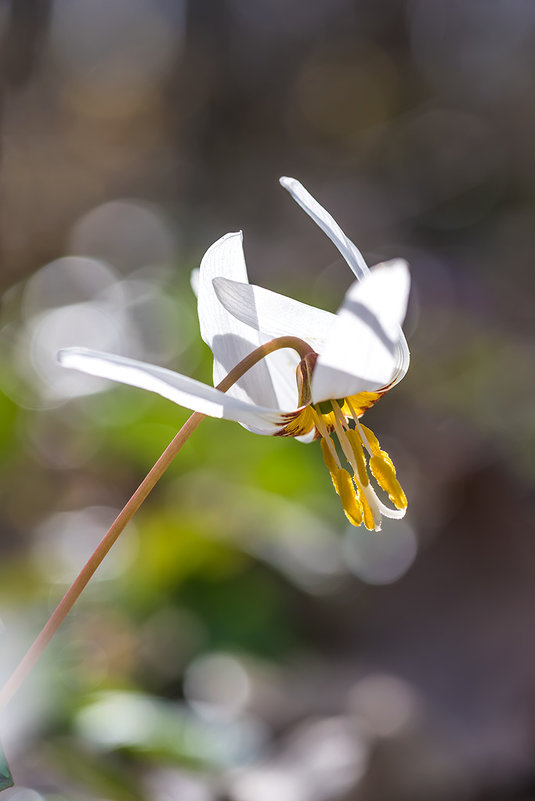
(178, 388)
(275, 315)
(361, 353)
(349, 251)
(282, 366)
(229, 339)
(272, 314)
(321, 217)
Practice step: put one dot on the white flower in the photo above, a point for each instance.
(356, 356)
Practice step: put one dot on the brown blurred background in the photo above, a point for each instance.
(243, 645)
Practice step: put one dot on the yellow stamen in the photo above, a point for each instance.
(350, 502)
(369, 520)
(328, 458)
(384, 471)
(340, 428)
(343, 484)
(358, 497)
(355, 457)
(358, 453)
(322, 428)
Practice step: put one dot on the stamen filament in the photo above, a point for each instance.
(322, 428)
(356, 447)
(360, 429)
(340, 428)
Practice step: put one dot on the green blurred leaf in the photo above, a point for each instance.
(6, 780)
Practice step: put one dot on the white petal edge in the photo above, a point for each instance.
(228, 338)
(328, 225)
(178, 388)
(361, 353)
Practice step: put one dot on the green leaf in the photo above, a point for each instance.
(6, 779)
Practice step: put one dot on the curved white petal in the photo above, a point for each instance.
(321, 217)
(273, 314)
(178, 388)
(361, 352)
(349, 251)
(229, 339)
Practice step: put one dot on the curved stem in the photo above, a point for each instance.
(127, 513)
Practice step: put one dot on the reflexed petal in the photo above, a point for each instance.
(321, 217)
(229, 339)
(349, 251)
(272, 314)
(178, 388)
(361, 352)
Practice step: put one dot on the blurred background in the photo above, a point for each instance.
(241, 643)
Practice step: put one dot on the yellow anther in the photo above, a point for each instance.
(358, 453)
(350, 502)
(373, 442)
(369, 520)
(359, 500)
(384, 471)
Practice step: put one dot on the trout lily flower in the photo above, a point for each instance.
(354, 358)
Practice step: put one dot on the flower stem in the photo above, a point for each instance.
(127, 513)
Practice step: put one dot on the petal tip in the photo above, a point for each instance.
(395, 264)
(221, 241)
(63, 355)
(68, 357)
(287, 182)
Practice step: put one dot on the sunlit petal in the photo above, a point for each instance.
(360, 354)
(178, 388)
(274, 314)
(349, 251)
(229, 339)
(321, 217)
